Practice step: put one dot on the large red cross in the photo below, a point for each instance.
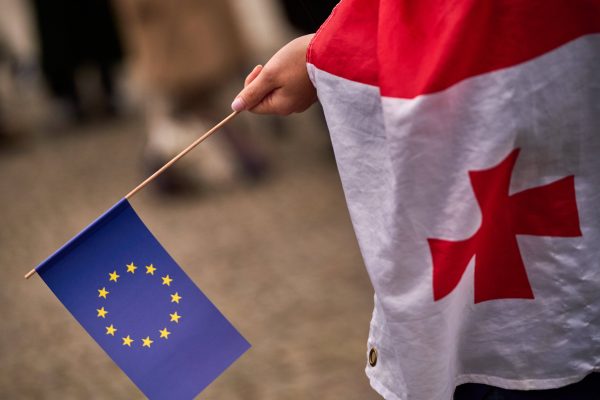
(548, 210)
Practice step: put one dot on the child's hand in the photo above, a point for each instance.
(280, 87)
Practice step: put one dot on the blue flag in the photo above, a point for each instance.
(140, 306)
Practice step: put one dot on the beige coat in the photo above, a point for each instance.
(178, 46)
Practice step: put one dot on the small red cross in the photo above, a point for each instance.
(548, 210)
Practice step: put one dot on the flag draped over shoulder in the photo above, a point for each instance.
(467, 136)
(140, 306)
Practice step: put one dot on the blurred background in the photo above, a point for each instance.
(97, 94)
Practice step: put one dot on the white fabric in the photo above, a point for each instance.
(404, 167)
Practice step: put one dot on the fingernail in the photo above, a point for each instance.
(238, 104)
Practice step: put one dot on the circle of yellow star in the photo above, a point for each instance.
(131, 268)
(167, 280)
(113, 276)
(127, 341)
(110, 330)
(102, 312)
(175, 317)
(103, 292)
(147, 342)
(175, 298)
(164, 333)
(150, 269)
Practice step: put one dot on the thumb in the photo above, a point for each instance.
(254, 93)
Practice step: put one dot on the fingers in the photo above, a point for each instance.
(282, 86)
(258, 87)
(252, 75)
(277, 102)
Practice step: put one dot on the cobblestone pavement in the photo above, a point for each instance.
(279, 259)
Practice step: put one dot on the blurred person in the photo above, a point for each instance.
(18, 70)
(447, 119)
(307, 15)
(4, 133)
(17, 36)
(184, 57)
(75, 35)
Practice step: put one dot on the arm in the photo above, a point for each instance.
(280, 87)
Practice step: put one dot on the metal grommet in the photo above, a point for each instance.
(373, 357)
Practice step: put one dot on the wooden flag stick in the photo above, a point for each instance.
(167, 165)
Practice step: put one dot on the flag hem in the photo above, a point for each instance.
(106, 217)
(508, 384)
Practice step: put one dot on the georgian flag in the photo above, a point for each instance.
(467, 136)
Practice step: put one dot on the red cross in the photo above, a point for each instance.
(548, 210)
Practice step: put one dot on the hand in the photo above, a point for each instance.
(280, 87)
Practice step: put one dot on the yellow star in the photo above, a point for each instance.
(150, 269)
(114, 276)
(102, 312)
(167, 280)
(127, 341)
(175, 317)
(103, 292)
(175, 298)
(147, 342)
(131, 268)
(110, 330)
(164, 333)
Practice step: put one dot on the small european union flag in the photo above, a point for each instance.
(138, 304)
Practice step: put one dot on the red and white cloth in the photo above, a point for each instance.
(467, 136)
